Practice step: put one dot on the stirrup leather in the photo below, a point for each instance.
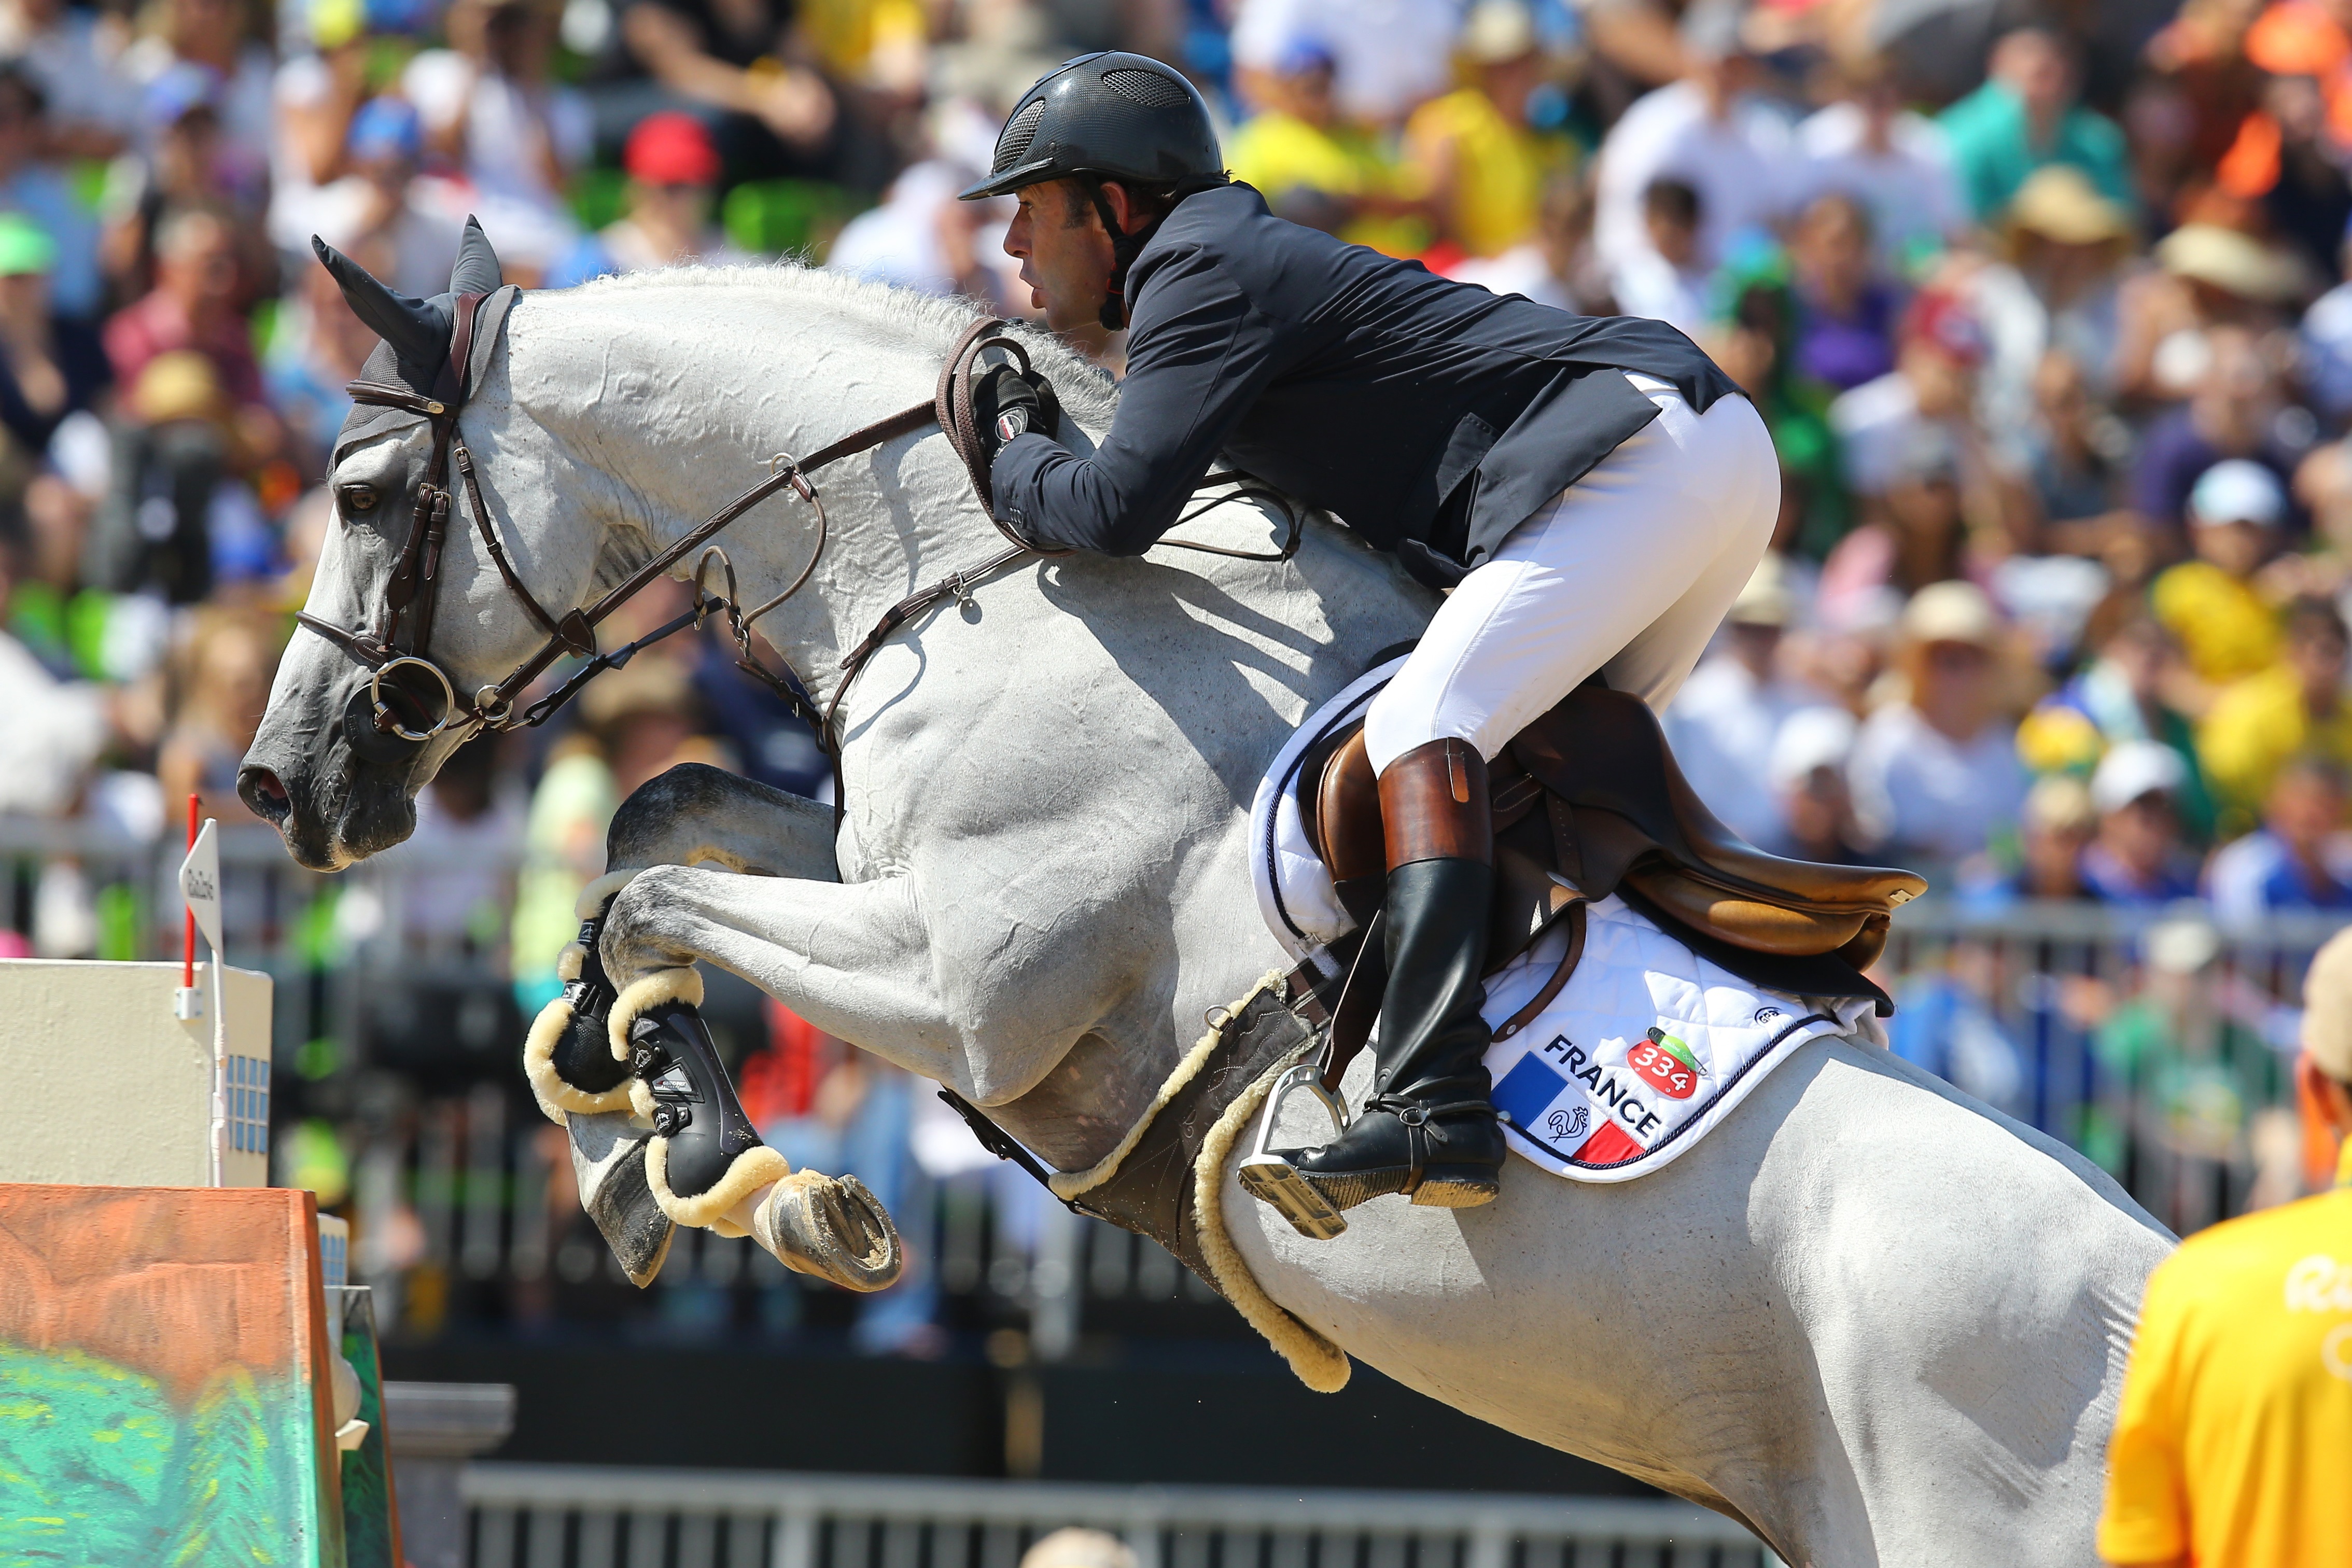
(1271, 1179)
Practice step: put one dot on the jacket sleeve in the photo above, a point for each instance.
(1199, 354)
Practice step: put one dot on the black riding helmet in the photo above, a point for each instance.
(1108, 116)
(1115, 116)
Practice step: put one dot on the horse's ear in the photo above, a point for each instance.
(477, 272)
(416, 331)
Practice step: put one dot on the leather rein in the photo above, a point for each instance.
(405, 623)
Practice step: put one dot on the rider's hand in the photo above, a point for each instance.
(1006, 404)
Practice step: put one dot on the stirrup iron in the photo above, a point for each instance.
(1271, 1179)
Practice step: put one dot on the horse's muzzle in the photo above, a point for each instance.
(328, 816)
(282, 796)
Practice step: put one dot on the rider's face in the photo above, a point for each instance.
(1065, 256)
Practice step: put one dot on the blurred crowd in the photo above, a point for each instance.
(2046, 311)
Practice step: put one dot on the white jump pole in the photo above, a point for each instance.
(200, 886)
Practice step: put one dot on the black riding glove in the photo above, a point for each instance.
(1007, 403)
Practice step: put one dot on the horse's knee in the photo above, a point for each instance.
(656, 807)
(650, 923)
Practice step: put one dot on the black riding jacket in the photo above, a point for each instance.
(1431, 416)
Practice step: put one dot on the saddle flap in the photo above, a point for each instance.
(1346, 829)
(1603, 750)
(1528, 898)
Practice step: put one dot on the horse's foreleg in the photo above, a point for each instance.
(854, 959)
(817, 1224)
(690, 814)
(694, 814)
(849, 959)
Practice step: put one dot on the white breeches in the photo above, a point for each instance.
(1628, 571)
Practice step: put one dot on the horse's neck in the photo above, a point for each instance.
(682, 420)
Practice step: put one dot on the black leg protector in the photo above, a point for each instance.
(705, 1156)
(578, 1082)
(568, 1057)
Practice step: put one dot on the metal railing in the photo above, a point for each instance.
(534, 1516)
(2158, 1043)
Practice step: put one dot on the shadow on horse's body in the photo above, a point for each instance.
(1871, 1318)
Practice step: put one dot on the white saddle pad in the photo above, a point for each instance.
(1645, 1048)
(1294, 890)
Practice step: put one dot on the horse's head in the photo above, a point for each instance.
(359, 718)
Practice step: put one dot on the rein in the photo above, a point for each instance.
(405, 623)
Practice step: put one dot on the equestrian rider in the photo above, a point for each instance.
(1589, 492)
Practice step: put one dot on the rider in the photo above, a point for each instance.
(1590, 493)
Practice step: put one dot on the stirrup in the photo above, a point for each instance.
(1271, 1179)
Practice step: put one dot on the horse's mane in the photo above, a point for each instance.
(927, 321)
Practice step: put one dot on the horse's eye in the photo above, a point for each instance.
(358, 499)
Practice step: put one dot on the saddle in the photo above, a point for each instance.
(1588, 802)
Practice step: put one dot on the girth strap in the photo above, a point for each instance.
(1307, 992)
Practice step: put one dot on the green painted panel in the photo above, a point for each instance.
(98, 1469)
(368, 1532)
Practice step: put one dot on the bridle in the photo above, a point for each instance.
(404, 622)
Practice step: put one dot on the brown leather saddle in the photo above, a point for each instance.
(1588, 802)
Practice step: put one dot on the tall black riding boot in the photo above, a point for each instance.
(1429, 1128)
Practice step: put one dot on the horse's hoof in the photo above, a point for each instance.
(834, 1229)
(1273, 1180)
(608, 1156)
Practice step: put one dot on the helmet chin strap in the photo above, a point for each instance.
(1124, 247)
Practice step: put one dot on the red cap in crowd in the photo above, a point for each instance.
(1942, 317)
(671, 148)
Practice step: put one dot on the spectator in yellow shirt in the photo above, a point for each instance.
(2233, 1444)
(2296, 705)
(1314, 169)
(2210, 603)
(1473, 150)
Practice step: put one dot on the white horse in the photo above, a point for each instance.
(1871, 1319)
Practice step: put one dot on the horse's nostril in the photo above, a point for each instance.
(263, 791)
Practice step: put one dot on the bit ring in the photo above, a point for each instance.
(388, 721)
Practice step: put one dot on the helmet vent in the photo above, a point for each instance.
(1152, 90)
(1019, 131)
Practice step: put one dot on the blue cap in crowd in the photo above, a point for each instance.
(386, 128)
(1304, 52)
(183, 88)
